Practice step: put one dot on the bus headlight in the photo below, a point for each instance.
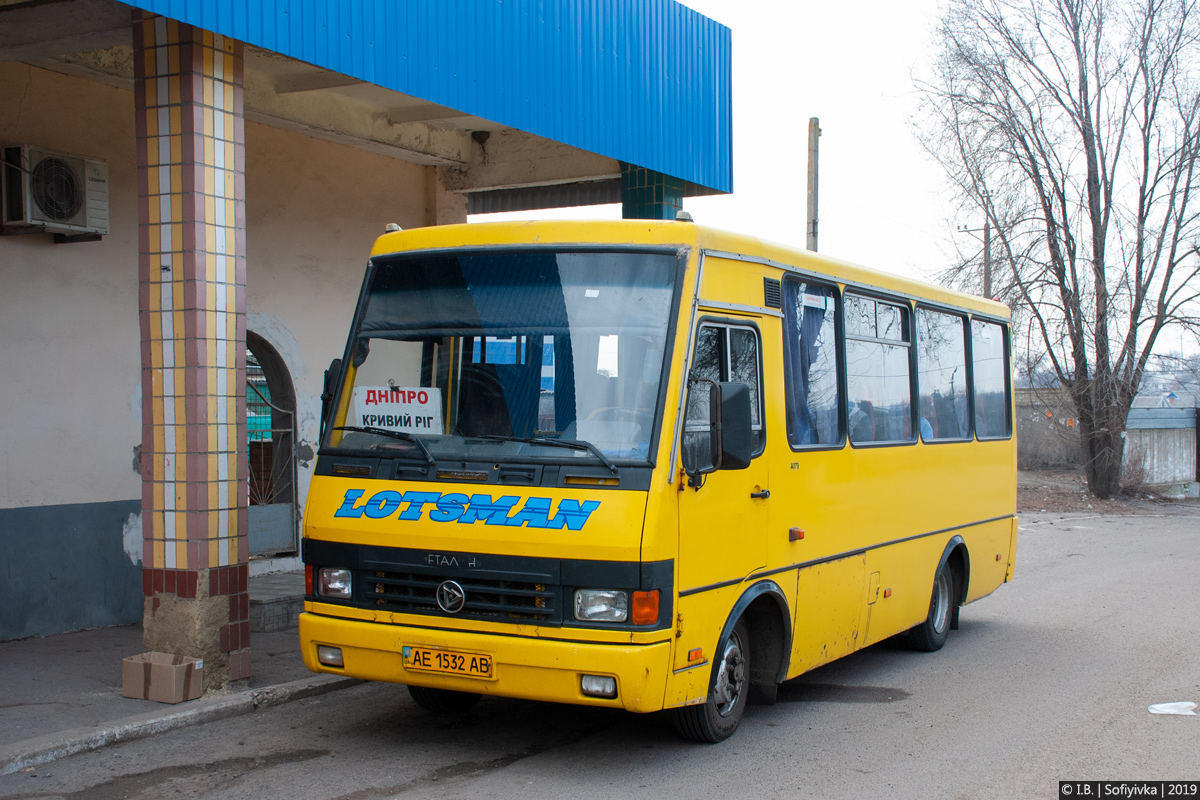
(601, 605)
(333, 582)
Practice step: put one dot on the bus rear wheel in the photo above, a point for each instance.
(443, 701)
(718, 718)
(931, 634)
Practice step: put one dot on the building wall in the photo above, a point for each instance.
(1162, 457)
(1160, 449)
(1047, 436)
(70, 405)
(313, 210)
(70, 414)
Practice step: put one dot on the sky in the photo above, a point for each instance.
(883, 202)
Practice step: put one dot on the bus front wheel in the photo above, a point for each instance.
(718, 718)
(443, 701)
(931, 634)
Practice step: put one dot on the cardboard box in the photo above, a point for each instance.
(162, 677)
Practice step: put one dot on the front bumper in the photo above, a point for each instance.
(529, 668)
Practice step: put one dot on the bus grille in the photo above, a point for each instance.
(416, 593)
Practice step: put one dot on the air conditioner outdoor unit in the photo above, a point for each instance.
(52, 191)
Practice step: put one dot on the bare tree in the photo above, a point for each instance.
(1073, 126)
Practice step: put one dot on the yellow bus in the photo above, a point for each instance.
(649, 465)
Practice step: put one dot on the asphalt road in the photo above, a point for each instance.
(1048, 679)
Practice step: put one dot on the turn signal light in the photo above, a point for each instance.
(645, 607)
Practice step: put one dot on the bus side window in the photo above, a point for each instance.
(810, 361)
(990, 375)
(942, 375)
(725, 353)
(878, 377)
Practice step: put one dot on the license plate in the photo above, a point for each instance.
(450, 662)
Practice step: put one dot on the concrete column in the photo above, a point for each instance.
(192, 244)
(442, 207)
(646, 194)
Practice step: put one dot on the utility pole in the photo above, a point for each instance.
(814, 135)
(987, 253)
(987, 258)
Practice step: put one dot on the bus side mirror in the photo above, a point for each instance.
(736, 437)
(327, 391)
(717, 431)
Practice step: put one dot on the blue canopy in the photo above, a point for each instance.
(646, 82)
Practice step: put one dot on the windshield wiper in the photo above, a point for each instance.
(401, 435)
(574, 444)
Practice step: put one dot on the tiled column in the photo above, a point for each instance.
(646, 194)
(192, 242)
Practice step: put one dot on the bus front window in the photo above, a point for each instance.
(510, 354)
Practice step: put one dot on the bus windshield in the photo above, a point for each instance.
(530, 355)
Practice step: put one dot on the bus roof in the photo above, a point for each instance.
(655, 233)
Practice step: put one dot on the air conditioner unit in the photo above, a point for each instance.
(52, 191)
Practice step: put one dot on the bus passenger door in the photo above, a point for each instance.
(722, 516)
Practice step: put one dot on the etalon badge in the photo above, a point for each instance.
(451, 597)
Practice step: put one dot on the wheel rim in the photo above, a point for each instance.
(941, 601)
(731, 679)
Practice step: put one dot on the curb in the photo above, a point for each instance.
(53, 746)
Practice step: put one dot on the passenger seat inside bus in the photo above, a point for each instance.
(482, 408)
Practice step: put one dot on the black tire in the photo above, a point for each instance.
(443, 701)
(931, 634)
(718, 717)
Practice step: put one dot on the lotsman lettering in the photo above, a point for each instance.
(383, 504)
(449, 508)
(347, 509)
(573, 514)
(416, 504)
(482, 507)
(535, 513)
